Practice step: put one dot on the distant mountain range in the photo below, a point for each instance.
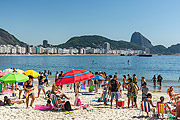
(95, 41)
(138, 42)
(6, 38)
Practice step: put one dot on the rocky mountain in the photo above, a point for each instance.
(95, 41)
(7, 38)
(140, 40)
(158, 49)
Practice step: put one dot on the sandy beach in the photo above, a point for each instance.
(101, 112)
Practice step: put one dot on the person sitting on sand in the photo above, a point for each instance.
(162, 101)
(29, 88)
(174, 96)
(149, 99)
(55, 91)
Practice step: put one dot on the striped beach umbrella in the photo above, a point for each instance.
(74, 76)
(4, 73)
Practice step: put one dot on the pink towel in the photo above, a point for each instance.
(42, 107)
(7, 91)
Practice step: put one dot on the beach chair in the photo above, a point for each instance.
(178, 109)
(161, 109)
(56, 106)
(145, 106)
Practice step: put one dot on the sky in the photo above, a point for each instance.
(33, 21)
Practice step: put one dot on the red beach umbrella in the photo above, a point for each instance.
(4, 73)
(74, 76)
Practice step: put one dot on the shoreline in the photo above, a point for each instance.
(70, 55)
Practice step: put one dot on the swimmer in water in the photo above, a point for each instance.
(128, 62)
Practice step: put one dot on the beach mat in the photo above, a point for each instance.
(42, 107)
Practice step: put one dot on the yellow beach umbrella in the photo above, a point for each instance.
(19, 71)
(32, 73)
(10, 70)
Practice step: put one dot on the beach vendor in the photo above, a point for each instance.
(29, 88)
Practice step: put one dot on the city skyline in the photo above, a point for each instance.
(58, 21)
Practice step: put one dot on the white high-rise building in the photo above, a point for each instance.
(107, 48)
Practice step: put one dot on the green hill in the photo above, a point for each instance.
(7, 38)
(95, 41)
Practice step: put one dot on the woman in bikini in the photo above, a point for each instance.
(29, 88)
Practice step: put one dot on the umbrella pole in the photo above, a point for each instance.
(74, 88)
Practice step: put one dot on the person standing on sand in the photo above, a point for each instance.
(29, 88)
(159, 79)
(46, 80)
(41, 79)
(135, 81)
(96, 83)
(61, 86)
(124, 82)
(14, 70)
(131, 92)
(56, 76)
(142, 81)
(154, 80)
(114, 84)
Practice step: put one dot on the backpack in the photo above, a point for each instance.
(114, 87)
(67, 106)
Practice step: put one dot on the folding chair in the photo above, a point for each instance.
(145, 106)
(161, 108)
(55, 103)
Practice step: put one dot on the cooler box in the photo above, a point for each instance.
(121, 103)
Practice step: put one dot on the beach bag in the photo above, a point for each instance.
(67, 106)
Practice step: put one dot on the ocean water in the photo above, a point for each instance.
(166, 65)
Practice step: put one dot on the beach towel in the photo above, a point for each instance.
(7, 91)
(42, 107)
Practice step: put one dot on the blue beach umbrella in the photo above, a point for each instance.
(98, 77)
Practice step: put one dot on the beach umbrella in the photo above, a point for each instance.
(19, 71)
(32, 73)
(9, 69)
(4, 73)
(98, 77)
(74, 76)
(14, 77)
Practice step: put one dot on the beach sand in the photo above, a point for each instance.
(101, 112)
